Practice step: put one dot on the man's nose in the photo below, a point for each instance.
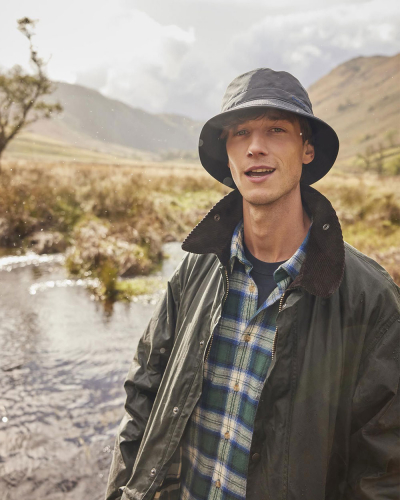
(257, 145)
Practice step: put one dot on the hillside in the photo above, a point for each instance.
(360, 99)
(92, 122)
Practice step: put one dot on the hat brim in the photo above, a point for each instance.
(212, 149)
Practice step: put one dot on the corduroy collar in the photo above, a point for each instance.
(323, 268)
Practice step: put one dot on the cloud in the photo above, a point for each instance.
(146, 57)
(311, 44)
(121, 51)
(181, 58)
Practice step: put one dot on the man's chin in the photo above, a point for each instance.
(266, 197)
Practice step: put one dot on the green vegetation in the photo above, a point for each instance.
(383, 158)
(114, 220)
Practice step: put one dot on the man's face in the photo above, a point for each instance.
(274, 147)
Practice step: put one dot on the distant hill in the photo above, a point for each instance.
(93, 122)
(360, 99)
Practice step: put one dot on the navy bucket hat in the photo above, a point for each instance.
(266, 88)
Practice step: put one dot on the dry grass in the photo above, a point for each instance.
(368, 207)
(115, 218)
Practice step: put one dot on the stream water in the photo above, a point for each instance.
(63, 361)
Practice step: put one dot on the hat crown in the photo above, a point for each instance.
(265, 83)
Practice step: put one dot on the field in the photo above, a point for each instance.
(112, 220)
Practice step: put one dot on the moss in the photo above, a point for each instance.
(129, 288)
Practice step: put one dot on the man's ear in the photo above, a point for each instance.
(308, 153)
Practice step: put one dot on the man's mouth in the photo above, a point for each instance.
(260, 172)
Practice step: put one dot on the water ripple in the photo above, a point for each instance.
(46, 285)
(11, 262)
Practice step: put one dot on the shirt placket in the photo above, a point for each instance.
(229, 423)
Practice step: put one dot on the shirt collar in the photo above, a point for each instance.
(290, 268)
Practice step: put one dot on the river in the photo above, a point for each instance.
(64, 357)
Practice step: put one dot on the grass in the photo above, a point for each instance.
(368, 207)
(114, 219)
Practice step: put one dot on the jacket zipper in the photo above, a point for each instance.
(276, 328)
(223, 302)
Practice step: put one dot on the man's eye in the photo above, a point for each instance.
(277, 129)
(241, 132)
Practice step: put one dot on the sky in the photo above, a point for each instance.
(178, 56)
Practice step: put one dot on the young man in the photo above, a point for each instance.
(270, 368)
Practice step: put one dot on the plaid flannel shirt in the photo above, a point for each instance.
(216, 446)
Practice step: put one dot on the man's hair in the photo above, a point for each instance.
(243, 115)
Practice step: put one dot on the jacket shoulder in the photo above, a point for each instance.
(364, 275)
(194, 266)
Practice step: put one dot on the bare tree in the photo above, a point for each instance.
(20, 93)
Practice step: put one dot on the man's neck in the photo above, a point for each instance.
(274, 232)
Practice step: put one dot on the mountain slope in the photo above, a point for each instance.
(360, 99)
(91, 120)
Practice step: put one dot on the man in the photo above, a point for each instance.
(270, 368)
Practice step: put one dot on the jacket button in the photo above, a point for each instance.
(217, 217)
(175, 411)
(153, 472)
(255, 457)
(325, 227)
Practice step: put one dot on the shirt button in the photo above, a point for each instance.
(247, 337)
(175, 410)
(153, 472)
(252, 288)
(162, 350)
(227, 435)
(236, 387)
(218, 483)
(255, 457)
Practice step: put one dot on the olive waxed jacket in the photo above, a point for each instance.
(327, 424)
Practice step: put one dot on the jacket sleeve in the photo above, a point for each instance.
(374, 468)
(141, 386)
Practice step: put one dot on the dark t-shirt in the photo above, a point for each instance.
(263, 275)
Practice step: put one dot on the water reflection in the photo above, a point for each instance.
(64, 359)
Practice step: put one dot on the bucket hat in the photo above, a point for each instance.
(266, 88)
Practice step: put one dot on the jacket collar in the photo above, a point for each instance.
(323, 268)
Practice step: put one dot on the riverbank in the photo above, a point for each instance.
(111, 221)
(63, 364)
